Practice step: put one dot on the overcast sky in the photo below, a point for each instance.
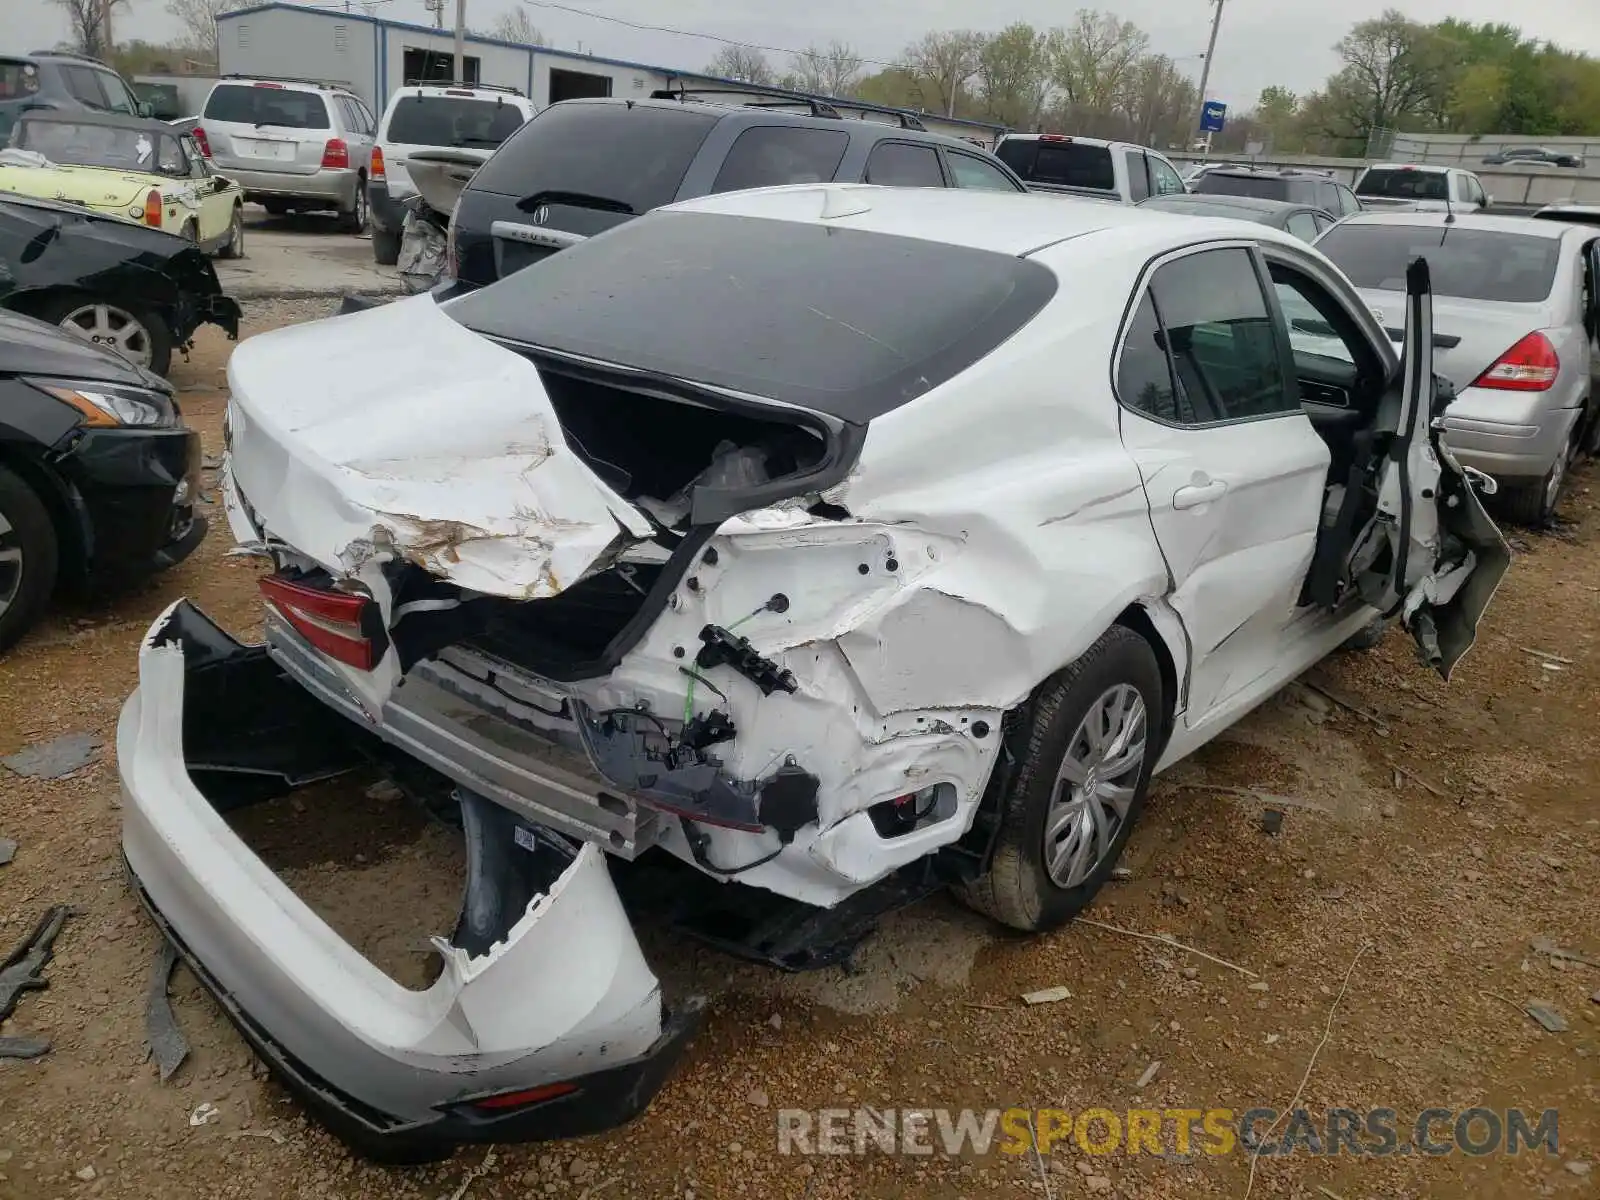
(1262, 41)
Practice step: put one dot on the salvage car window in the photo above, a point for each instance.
(1264, 187)
(636, 156)
(1063, 163)
(1144, 375)
(801, 313)
(452, 121)
(1219, 334)
(266, 104)
(87, 144)
(1473, 264)
(767, 156)
(971, 172)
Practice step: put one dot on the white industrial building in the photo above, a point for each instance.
(372, 57)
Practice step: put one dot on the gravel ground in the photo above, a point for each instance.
(1452, 829)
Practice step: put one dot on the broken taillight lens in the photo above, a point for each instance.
(333, 622)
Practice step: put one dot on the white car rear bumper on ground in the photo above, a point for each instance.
(566, 996)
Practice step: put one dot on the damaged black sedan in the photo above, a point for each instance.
(132, 289)
(98, 475)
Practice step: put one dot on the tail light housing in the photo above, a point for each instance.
(346, 626)
(377, 169)
(1530, 366)
(205, 142)
(152, 209)
(335, 155)
(523, 1098)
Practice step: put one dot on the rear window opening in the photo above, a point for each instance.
(1404, 185)
(1063, 164)
(267, 104)
(1262, 187)
(1470, 264)
(809, 315)
(452, 121)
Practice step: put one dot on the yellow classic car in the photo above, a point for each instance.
(133, 167)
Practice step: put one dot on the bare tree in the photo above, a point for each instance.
(830, 72)
(947, 61)
(199, 21)
(513, 26)
(89, 21)
(1014, 75)
(742, 64)
(1096, 59)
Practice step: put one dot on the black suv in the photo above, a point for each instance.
(58, 79)
(1296, 187)
(583, 166)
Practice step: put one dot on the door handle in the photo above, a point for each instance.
(1198, 493)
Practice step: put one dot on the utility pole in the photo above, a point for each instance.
(1205, 68)
(107, 43)
(461, 41)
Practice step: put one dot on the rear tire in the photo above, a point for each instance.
(234, 246)
(1535, 504)
(385, 247)
(355, 219)
(1067, 793)
(29, 557)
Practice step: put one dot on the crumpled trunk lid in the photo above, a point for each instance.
(396, 432)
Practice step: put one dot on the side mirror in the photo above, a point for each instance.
(1487, 200)
(146, 109)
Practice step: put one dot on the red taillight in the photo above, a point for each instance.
(336, 155)
(205, 144)
(152, 209)
(330, 621)
(456, 92)
(525, 1097)
(376, 170)
(1054, 137)
(279, 86)
(1530, 366)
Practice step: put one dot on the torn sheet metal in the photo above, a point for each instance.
(395, 432)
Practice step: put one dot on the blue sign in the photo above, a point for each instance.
(1213, 116)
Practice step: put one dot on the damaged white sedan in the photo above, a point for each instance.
(839, 542)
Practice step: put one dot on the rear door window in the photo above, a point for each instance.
(1164, 181)
(901, 164)
(1303, 226)
(452, 121)
(627, 159)
(969, 171)
(83, 84)
(1138, 176)
(770, 155)
(266, 104)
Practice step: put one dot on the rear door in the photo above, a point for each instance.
(1232, 468)
(268, 126)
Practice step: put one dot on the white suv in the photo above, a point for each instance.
(470, 119)
(294, 145)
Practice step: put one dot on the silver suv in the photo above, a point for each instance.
(294, 145)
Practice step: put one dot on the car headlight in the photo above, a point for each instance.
(113, 405)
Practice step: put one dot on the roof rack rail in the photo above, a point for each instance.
(462, 83)
(323, 83)
(79, 55)
(818, 108)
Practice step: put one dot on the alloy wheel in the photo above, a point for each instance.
(112, 327)
(10, 565)
(1095, 786)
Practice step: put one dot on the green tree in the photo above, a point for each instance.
(1014, 75)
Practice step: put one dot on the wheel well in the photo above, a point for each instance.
(74, 554)
(1135, 618)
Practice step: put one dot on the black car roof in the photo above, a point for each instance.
(768, 114)
(73, 116)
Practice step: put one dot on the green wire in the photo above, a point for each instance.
(688, 697)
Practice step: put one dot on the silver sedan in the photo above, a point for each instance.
(1515, 319)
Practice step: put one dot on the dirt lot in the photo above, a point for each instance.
(1453, 826)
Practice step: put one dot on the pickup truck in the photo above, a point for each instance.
(1118, 172)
